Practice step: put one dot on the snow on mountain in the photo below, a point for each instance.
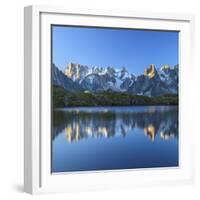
(156, 82)
(99, 78)
(168, 74)
(152, 83)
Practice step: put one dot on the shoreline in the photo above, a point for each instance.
(122, 106)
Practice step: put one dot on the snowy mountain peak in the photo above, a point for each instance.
(153, 82)
(76, 71)
(165, 67)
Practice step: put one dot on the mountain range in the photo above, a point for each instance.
(154, 82)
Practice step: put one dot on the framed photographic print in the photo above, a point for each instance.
(106, 99)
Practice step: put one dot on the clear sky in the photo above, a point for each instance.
(133, 49)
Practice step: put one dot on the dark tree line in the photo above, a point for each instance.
(63, 98)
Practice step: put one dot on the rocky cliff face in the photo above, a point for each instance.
(76, 72)
(96, 79)
(150, 71)
(169, 76)
(155, 83)
(62, 80)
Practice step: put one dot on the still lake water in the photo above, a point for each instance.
(106, 138)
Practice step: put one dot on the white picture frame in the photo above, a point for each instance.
(37, 130)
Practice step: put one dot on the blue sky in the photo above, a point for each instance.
(133, 49)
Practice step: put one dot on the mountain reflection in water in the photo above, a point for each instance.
(82, 123)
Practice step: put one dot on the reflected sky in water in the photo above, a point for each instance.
(106, 138)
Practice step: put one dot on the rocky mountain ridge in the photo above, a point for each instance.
(153, 82)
